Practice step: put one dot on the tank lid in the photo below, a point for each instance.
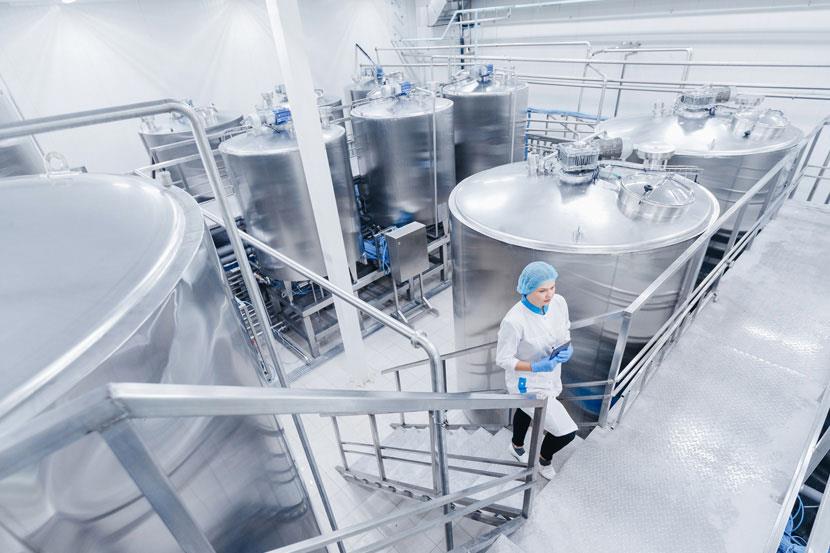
(654, 151)
(175, 123)
(91, 277)
(268, 141)
(655, 196)
(710, 136)
(498, 84)
(411, 105)
(538, 212)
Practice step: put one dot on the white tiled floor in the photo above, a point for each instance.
(351, 503)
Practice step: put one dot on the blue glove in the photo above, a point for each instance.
(564, 355)
(543, 366)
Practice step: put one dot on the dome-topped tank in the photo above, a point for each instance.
(267, 174)
(608, 237)
(733, 144)
(397, 156)
(490, 114)
(362, 84)
(130, 293)
(327, 104)
(170, 136)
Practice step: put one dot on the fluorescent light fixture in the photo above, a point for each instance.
(68, 1)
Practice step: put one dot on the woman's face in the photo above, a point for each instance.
(543, 295)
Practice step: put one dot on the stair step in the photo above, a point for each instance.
(504, 545)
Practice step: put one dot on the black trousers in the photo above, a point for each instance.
(550, 444)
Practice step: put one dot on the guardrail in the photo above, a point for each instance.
(111, 409)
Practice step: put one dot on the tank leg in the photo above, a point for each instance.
(398, 312)
(311, 337)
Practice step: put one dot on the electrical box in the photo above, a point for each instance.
(407, 251)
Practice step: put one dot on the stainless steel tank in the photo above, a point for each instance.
(170, 137)
(406, 174)
(331, 104)
(733, 144)
(18, 156)
(490, 114)
(368, 79)
(131, 293)
(267, 174)
(606, 237)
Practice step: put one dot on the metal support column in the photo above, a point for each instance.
(614, 370)
(287, 31)
(373, 422)
(145, 471)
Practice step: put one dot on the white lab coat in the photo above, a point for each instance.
(528, 336)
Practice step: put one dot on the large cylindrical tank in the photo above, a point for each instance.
(267, 174)
(326, 103)
(403, 158)
(130, 293)
(362, 84)
(170, 137)
(18, 156)
(605, 245)
(490, 114)
(733, 145)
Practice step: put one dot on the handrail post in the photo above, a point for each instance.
(373, 423)
(339, 438)
(533, 455)
(398, 387)
(134, 455)
(614, 370)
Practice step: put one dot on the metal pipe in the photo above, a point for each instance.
(659, 63)
(485, 45)
(604, 88)
(677, 90)
(458, 13)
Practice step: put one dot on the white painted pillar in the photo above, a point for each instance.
(287, 29)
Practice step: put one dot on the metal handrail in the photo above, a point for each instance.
(111, 409)
(582, 323)
(789, 169)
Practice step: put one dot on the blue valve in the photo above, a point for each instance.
(282, 116)
(378, 73)
(406, 88)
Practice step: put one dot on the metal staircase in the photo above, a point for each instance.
(475, 457)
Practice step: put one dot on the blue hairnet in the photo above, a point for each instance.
(534, 275)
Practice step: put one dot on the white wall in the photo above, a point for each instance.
(60, 58)
(788, 31)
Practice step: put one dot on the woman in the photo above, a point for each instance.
(528, 334)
